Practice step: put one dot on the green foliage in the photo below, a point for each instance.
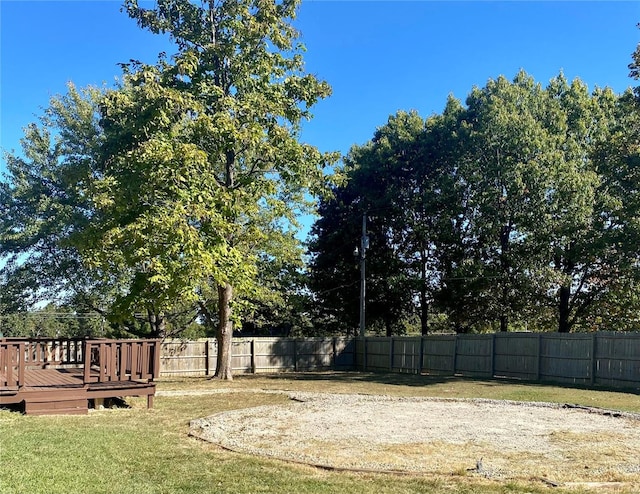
(279, 306)
(333, 267)
(634, 67)
(518, 210)
(44, 201)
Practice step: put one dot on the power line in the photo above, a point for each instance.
(59, 315)
(348, 285)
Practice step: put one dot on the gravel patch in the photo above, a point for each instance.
(497, 439)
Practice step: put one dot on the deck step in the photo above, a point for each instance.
(62, 407)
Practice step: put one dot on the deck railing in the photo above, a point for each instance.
(41, 352)
(121, 360)
(101, 360)
(58, 351)
(11, 364)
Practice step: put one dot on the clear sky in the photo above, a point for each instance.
(379, 56)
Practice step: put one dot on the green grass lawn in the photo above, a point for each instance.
(140, 451)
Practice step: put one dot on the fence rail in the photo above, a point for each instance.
(603, 358)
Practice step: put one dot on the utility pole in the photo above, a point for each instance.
(364, 245)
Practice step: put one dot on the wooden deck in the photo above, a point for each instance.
(61, 376)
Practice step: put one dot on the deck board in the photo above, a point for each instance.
(48, 378)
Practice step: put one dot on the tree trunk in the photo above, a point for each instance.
(505, 268)
(504, 323)
(563, 310)
(424, 305)
(566, 265)
(225, 333)
(158, 324)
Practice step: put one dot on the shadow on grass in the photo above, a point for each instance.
(417, 380)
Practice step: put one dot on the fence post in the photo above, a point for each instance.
(355, 354)
(335, 351)
(295, 354)
(493, 354)
(539, 356)
(594, 360)
(364, 353)
(455, 354)
(207, 353)
(421, 355)
(253, 355)
(391, 354)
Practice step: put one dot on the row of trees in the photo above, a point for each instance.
(52, 321)
(518, 209)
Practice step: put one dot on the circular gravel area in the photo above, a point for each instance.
(495, 439)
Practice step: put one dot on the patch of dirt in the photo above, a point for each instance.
(495, 439)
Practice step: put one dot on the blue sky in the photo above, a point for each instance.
(379, 56)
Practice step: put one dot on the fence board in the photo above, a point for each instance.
(566, 358)
(516, 355)
(617, 359)
(274, 354)
(241, 356)
(378, 354)
(187, 358)
(314, 354)
(360, 354)
(474, 355)
(344, 354)
(406, 355)
(438, 356)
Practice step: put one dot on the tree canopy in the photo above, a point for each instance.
(512, 210)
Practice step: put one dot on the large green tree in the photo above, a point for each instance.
(504, 145)
(392, 189)
(213, 138)
(334, 277)
(45, 204)
(408, 185)
(192, 173)
(52, 204)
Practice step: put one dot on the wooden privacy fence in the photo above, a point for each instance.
(252, 355)
(603, 358)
